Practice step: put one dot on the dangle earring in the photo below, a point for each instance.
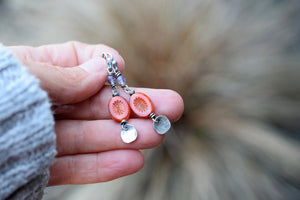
(141, 104)
(118, 106)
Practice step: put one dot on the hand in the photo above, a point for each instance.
(89, 145)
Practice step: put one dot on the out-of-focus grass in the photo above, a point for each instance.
(236, 64)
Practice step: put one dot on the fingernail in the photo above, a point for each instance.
(94, 65)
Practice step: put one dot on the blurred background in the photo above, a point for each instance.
(236, 64)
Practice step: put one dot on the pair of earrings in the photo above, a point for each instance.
(139, 103)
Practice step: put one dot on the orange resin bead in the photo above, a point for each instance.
(141, 104)
(119, 108)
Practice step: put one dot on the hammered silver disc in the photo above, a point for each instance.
(128, 133)
(161, 124)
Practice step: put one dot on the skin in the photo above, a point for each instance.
(89, 145)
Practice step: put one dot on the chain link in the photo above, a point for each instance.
(115, 91)
(128, 90)
(110, 63)
(113, 70)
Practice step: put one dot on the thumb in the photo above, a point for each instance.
(67, 85)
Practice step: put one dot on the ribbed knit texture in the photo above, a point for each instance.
(27, 138)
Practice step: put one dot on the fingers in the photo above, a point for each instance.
(68, 54)
(70, 85)
(69, 72)
(79, 137)
(166, 102)
(94, 168)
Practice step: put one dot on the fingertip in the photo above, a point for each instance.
(140, 160)
(119, 59)
(169, 103)
(179, 105)
(118, 163)
(79, 83)
(94, 65)
(106, 49)
(121, 62)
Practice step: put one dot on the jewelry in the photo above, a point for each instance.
(118, 106)
(139, 103)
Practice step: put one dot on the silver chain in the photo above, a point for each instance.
(128, 90)
(113, 70)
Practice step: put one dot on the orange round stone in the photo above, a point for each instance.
(118, 108)
(141, 104)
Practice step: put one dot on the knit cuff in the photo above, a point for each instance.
(27, 138)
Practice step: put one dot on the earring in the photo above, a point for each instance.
(139, 102)
(142, 106)
(118, 106)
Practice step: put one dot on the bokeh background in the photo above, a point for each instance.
(236, 64)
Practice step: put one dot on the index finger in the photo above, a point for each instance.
(68, 54)
(166, 102)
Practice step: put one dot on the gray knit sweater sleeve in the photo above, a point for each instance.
(27, 138)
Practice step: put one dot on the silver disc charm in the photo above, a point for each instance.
(161, 124)
(128, 133)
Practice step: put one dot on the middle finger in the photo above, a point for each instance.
(165, 102)
(79, 137)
